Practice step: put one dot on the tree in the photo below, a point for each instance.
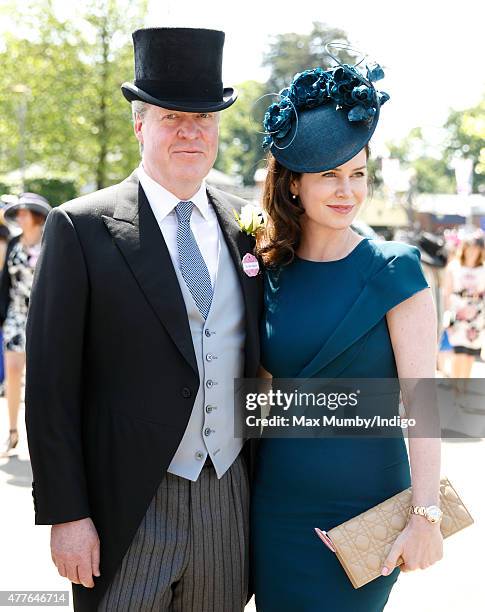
(432, 174)
(466, 138)
(37, 72)
(77, 122)
(240, 151)
(55, 190)
(290, 53)
(111, 59)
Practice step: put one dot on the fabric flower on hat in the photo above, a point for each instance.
(362, 93)
(375, 72)
(278, 117)
(343, 85)
(383, 97)
(308, 88)
(365, 97)
(361, 113)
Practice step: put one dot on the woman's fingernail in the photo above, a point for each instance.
(385, 571)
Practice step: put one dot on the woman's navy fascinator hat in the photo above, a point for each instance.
(325, 117)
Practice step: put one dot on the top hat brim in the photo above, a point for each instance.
(323, 138)
(229, 96)
(10, 211)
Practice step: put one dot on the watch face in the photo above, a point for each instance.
(433, 514)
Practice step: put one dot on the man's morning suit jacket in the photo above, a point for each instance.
(111, 369)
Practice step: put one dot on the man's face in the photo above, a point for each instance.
(178, 148)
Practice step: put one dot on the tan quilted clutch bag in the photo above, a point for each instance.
(363, 542)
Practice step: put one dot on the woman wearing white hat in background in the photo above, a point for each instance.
(29, 213)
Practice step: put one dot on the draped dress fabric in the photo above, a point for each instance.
(326, 320)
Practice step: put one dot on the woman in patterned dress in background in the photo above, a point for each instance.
(464, 292)
(29, 213)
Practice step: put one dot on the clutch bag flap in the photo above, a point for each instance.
(363, 542)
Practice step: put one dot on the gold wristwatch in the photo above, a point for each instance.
(432, 513)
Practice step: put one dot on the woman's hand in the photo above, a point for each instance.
(420, 544)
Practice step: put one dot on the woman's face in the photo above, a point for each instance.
(333, 198)
(472, 253)
(25, 219)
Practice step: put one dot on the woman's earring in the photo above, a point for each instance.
(293, 196)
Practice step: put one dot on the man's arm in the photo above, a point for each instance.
(53, 393)
(53, 399)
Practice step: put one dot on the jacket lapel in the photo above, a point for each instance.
(137, 235)
(239, 244)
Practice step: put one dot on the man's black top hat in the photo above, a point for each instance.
(179, 69)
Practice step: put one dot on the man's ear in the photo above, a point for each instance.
(137, 125)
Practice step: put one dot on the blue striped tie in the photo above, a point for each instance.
(192, 265)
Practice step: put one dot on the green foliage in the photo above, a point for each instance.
(240, 151)
(290, 53)
(56, 191)
(466, 130)
(4, 189)
(433, 176)
(76, 120)
(465, 137)
(373, 173)
(46, 71)
(111, 58)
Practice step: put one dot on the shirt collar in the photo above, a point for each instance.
(165, 201)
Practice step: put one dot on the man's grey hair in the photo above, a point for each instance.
(139, 109)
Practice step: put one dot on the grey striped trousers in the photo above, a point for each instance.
(190, 552)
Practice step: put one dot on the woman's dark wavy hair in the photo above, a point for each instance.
(277, 242)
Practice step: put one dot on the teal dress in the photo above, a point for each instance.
(326, 320)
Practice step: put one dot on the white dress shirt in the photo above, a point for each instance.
(203, 221)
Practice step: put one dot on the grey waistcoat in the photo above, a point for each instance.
(219, 349)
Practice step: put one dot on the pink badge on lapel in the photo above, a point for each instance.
(250, 265)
